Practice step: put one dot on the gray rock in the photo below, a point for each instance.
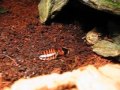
(112, 6)
(106, 48)
(48, 8)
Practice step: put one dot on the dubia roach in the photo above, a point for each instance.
(52, 53)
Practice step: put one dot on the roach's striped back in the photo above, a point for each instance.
(48, 54)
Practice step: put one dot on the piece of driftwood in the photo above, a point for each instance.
(85, 78)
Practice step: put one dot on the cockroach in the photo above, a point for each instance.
(52, 53)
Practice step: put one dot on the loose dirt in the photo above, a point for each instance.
(23, 37)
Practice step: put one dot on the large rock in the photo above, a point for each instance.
(49, 8)
(106, 48)
(112, 6)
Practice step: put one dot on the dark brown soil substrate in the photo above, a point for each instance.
(22, 37)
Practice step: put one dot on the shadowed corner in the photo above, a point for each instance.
(66, 51)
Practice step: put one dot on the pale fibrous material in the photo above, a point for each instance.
(84, 78)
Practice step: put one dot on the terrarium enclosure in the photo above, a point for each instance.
(71, 38)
